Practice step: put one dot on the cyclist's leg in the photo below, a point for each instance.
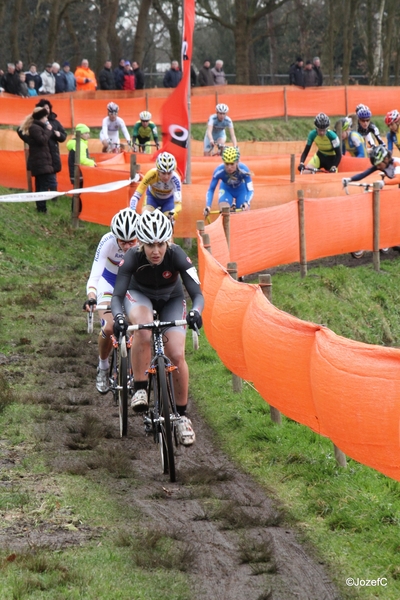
(241, 195)
(150, 203)
(105, 141)
(314, 162)
(104, 293)
(225, 196)
(327, 161)
(174, 309)
(207, 146)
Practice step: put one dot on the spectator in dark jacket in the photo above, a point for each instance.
(139, 76)
(173, 76)
(10, 80)
(36, 132)
(33, 75)
(317, 69)
(59, 77)
(205, 76)
(119, 74)
(106, 77)
(309, 75)
(296, 75)
(193, 76)
(69, 77)
(58, 136)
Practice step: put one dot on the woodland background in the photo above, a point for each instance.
(357, 41)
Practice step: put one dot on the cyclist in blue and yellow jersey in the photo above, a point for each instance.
(328, 154)
(352, 142)
(392, 120)
(144, 131)
(162, 186)
(236, 186)
(366, 128)
(215, 132)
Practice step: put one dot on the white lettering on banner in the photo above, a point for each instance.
(179, 135)
(96, 189)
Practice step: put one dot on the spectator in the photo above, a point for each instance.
(48, 80)
(36, 132)
(106, 77)
(205, 75)
(139, 76)
(173, 76)
(129, 77)
(10, 80)
(119, 74)
(85, 78)
(33, 75)
(69, 78)
(31, 88)
(58, 136)
(60, 80)
(296, 74)
(84, 158)
(193, 76)
(310, 77)
(317, 69)
(218, 74)
(23, 88)
(19, 66)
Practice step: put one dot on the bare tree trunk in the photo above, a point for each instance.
(272, 41)
(388, 40)
(141, 29)
(172, 24)
(108, 12)
(242, 35)
(350, 9)
(74, 38)
(330, 44)
(377, 45)
(16, 16)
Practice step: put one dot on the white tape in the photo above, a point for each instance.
(96, 189)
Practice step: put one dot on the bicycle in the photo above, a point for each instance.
(162, 416)
(118, 148)
(218, 149)
(314, 170)
(233, 209)
(120, 371)
(144, 148)
(367, 186)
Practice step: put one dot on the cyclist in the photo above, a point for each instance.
(215, 132)
(352, 141)
(150, 278)
(366, 128)
(392, 120)
(100, 285)
(112, 124)
(143, 131)
(236, 185)
(162, 186)
(328, 154)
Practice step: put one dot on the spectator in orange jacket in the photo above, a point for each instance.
(85, 78)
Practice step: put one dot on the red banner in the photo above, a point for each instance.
(174, 111)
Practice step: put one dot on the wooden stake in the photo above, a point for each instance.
(376, 258)
(236, 380)
(302, 234)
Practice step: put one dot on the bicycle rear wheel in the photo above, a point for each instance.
(123, 392)
(166, 426)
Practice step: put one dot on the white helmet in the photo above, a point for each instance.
(112, 107)
(154, 227)
(165, 162)
(222, 108)
(124, 224)
(145, 115)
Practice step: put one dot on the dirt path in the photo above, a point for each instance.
(235, 534)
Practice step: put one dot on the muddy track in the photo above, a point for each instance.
(235, 534)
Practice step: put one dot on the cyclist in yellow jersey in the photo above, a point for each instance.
(328, 154)
(143, 131)
(162, 186)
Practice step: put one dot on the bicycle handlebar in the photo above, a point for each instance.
(157, 324)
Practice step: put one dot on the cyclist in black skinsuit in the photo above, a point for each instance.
(150, 278)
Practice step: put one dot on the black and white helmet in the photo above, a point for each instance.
(222, 108)
(124, 224)
(112, 108)
(154, 227)
(321, 121)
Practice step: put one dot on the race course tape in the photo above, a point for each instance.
(97, 189)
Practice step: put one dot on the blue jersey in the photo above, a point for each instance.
(392, 140)
(354, 144)
(238, 184)
(219, 126)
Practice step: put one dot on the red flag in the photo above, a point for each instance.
(174, 111)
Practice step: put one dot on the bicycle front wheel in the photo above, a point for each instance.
(166, 425)
(123, 393)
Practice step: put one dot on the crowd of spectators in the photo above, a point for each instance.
(309, 75)
(56, 78)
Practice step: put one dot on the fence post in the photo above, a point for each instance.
(264, 281)
(147, 101)
(206, 242)
(134, 167)
(376, 224)
(236, 380)
(292, 168)
(340, 456)
(28, 173)
(72, 112)
(302, 234)
(76, 200)
(285, 104)
(226, 215)
(346, 100)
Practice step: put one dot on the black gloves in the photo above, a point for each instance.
(194, 319)
(90, 303)
(300, 167)
(120, 325)
(333, 170)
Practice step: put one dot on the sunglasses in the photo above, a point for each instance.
(364, 120)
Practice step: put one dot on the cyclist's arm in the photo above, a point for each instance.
(154, 131)
(125, 271)
(141, 188)
(99, 263)
(211, 190)
(209, 133)
(104, 129)
(125, 131)
(364, 174)
(358, 146)
(304, 155)
(190, 279)
(233, 136)
(249, 188)
(389, 137)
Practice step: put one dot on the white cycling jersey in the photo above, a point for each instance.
(105, 268)
(110, 130)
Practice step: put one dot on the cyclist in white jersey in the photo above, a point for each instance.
(112, 125)
(101, 282)
(215, 133)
